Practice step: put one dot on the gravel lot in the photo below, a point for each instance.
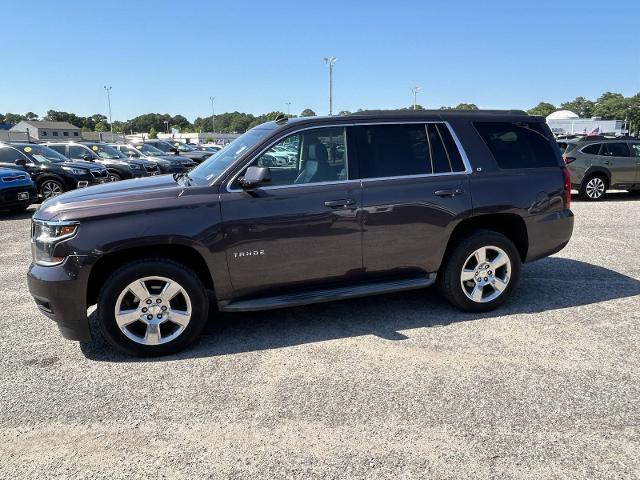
(396, 386)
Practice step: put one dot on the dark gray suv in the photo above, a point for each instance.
(365, 204)
(599, 164)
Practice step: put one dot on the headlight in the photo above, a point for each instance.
(135, 166)
(75, 171)
(45, 236)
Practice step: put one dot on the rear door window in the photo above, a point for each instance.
(58, 148)
(518, 145)
(616, 150)
(635, 149)
(593, 149)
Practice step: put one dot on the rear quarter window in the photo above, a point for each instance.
(518, 145)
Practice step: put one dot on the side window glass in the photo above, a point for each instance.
(635, 149)
(57, 148)
(592, 149)
(311, 156)
(393, 150)
(616, 150)
(457, 165)
(9, 155)
(77, 152)
(439, 157)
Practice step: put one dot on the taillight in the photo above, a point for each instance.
(568, 160)
(567, 187)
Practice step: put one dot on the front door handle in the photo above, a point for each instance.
(342, 203)
(449, 192)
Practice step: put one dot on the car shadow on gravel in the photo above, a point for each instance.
(616, 196)
(549, 284)
(23, 215)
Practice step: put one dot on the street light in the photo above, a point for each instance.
(288, 104)
(330, 61)
(213, 116)
(108, 89)
(415, 91)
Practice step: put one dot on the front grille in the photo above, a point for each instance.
(151, 168)
(99, 173)
(14, 178)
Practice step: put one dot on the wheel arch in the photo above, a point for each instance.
(591, 171)
(510, 225)
(108, 263)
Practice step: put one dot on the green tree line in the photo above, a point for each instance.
(608, 106)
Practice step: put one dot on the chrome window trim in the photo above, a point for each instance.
(461, 151)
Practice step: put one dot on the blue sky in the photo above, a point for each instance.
(169, 57)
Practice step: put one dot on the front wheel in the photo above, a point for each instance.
(114, 177)
(152, 307)
(51, 188)
(480, 272)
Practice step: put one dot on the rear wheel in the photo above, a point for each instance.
(594, 187)
(152, 307)
(51, 188)
(114, 177)
(481, 272)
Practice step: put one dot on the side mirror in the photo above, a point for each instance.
(87, 157)
(21, 162)
(174, 150)
(255, 177)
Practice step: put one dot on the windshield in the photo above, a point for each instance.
(216, 164)
(183, 147)
(105, 151)
(149, 150)
(42, 154)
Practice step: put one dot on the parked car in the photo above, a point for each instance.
(599, 164)
(52, 173)
(166, 163)
(120, 167)
(17, 190)
(211, 147)
(374, 203)
(179, 148)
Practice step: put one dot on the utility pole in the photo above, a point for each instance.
(213, 117)
(166, 125)
(415, 91)
(108, 89)
(330, 61)
(288, 104)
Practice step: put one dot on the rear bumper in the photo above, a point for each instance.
(60, 294)
(548, 233)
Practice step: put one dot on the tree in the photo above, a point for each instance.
(611, 106)
(466, 106)
(101, 127)
(30, 116)
(13, 118)
(307, 112)
(543, 109)
(580, 106)
(153, 133)
(208, 140)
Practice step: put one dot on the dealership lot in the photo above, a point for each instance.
(393, 386)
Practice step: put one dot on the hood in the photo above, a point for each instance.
(175, 158)
(80, 164)
(14, 178)
(127, 195)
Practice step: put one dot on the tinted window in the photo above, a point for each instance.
(518, 145)
(455, 160)
(9, 155)
(57, 148)
(77, 152)
(635, 149)
(393, 150)
(311, 156)
(592, 149)
(616, 150)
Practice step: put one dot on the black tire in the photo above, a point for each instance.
(50, 183)
(449, 277)
(162, 267)
(115, 176)
(634, 192)
(585, 191)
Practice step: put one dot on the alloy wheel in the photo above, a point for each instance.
(153, 310)
(50, 189)
(485, 274)
(595, 188)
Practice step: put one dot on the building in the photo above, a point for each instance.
(565, 122)
(43, 130)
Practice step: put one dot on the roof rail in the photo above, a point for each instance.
(438, 112)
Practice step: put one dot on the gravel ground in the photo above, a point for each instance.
(397, 386)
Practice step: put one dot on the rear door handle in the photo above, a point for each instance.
(342, 203)
(449, 192)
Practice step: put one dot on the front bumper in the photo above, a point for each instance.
(14, 197)
(60, 294)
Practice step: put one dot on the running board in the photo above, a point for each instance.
(318, 296)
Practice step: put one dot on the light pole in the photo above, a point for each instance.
(288, 104)
(330, 61)
(108, 89)
(166, 125)
(415, 91)
(213, 117)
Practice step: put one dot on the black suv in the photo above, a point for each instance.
(166, 163)
(52, 173)
(120, 167)
(370, 204)
(182, 149)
